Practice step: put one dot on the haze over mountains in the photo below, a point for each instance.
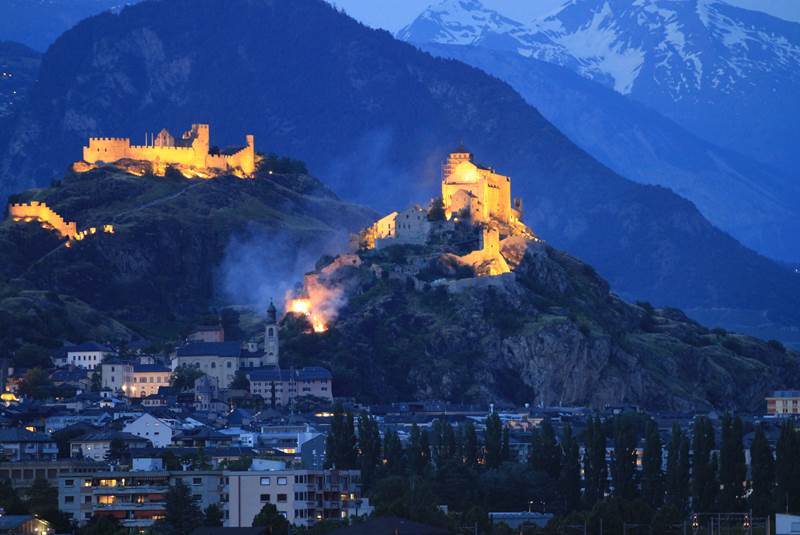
(621, 79)
(374, 117)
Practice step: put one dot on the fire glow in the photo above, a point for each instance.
(302, 307)
(317, 302)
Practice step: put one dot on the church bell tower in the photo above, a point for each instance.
(271, 337)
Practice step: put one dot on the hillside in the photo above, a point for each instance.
(179, 246)
(374, 116)
(753, 202)
(19, 66)
(550, 333)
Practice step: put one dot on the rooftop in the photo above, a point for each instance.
(210, 349)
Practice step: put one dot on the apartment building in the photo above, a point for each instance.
(302, 496)
(135, 498)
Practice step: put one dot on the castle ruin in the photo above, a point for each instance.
(49, 219)
(191, 153)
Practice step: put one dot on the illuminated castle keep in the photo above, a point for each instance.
(471, 195)
(477, 192)
(191, 153)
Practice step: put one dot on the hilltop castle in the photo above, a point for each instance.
(191, 152)
(477, 192)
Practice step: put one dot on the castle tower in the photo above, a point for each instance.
(271, 344)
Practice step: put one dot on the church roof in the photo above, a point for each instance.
(210, 349)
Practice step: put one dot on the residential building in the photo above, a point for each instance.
(24, 445)
(219, 360)
(89, 355)
(136, 499)
(22, 474)
(302, 496)
(281, 387)
(96, 446)
(156, 430)
(133, 379)
(783, 402)
(24, 525)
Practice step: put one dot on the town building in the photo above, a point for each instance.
(89, 355)
(96, 446)
(783, 402)
(134, 498)
(281, 387)
(191, 152)
(24, 525)
(219, 360)
(22, 474)
(302, 496)
(24, 445)
(159, 432)
(133, 379)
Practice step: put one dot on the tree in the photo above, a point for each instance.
(436, 210)
(505, 447)
(183, 377)
(117, 450)
(182, 514)
(42, 497)
(732, 466)
(213, 516)
(469, 441)
(10, 501)
(652, 477)
(545, 453)
(703, 466)
(594, 462)
(393, 453)
(103, 525)
(240, 380)
(269, 518)
(677, 478)
(340, 444)
(787, 468)
(570, 476)
(762, 468)
(494, 441)
(418, 451)
(36, 384)
(623, 465)
(97, 383)
(369, 447)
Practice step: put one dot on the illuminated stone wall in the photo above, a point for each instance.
(44, 214)
(480, 191)
(191, 151)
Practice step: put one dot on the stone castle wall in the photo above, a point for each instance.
(110, 150)
(44, 214)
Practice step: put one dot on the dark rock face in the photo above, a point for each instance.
(553, 335)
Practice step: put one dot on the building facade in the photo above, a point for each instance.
(134, 380)
(302, 496)
(88, 356)
(783, 402)
(281, 387)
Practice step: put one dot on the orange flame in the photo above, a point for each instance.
(303, 307)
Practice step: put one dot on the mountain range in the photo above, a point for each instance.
(727, 74)
(756, 202)
(375, 117)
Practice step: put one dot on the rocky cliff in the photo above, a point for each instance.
(550, 333)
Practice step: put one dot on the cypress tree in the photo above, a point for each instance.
(494, 441)
(449, 445)
(732, 467)
(652, 476)
(623, 465)
(469, 444)
(348, 446)
(545, 453)
(569, 481)
(762, 468)
(677, 478)
(505, 448)
(703, 466)
(787, 469)
(594, 462)
(369, 446)
(393, 453)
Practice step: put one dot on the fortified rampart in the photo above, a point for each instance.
(39, 211)
(51, 220)
(190, 151)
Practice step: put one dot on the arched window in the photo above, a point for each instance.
(271, 331)
(213, 364)
(229, 364)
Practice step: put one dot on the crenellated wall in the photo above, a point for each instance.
(49, 218)
(193, 152)
(39, 211)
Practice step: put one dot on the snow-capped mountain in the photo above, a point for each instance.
(728, 74)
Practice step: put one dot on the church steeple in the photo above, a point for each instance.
(271, 342)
